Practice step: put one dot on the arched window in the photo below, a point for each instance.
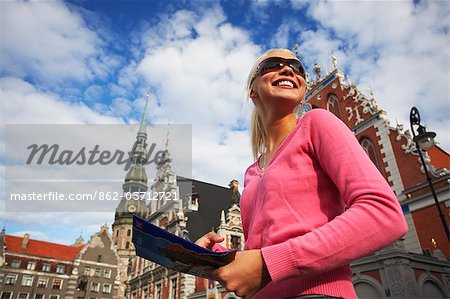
(128, 232)
(127, 245)
(368, 146)
(333, 105)
(235, 242)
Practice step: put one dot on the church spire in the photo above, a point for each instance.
(135, 184)
(143, 124)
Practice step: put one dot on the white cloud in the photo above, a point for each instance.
(22, 103)
(395, 48)
(50, 42)
(198, 66)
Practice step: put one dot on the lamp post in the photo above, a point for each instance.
(425, 141)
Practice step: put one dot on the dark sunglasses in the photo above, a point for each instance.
(277, 63)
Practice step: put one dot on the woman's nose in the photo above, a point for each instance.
(286, 70)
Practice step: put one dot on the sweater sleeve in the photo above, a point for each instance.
(373, 220)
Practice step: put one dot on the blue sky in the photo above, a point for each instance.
(92, 62)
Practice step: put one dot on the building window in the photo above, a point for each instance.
(173, 288)
(368, 146)
(87, 271)
(10, 279)
(158, 291)
(42, 282)
(57, 284)
(107, 273)
(15, 263)
(27, 280)
(333, 105)
(128, 232)
(46, 267)
(31, 265)
(127, 245)
(117, 233)
(99, 258)
(95, 286)
(106, 288)
(22, 296)
(38, 296)
(98, 271)
(53, 297)
(60, 269)
(235, 242)
(6, 295)
(145, 293)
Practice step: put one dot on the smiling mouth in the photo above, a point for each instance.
(284, 83)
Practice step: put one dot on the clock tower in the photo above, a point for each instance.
(135, 184)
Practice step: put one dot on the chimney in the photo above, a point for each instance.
(25, 241)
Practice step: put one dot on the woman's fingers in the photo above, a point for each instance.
(209, 239)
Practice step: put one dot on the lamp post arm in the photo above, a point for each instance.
(414, 119)
(436, 201)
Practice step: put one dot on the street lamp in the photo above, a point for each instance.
(425, 141)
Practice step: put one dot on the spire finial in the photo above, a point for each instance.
(167, 134)
(143, 125)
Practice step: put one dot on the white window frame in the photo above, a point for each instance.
(98, 272)
(16, 263)
(86, 272)
(107, 273)
(43, 296)
(42, 279)
(27, 295)
(31, 265)
(95, 289)
(108, 290)
(11, 294)
(27, 276)
(171, 285)
(11, 276)
(60, 286)
(45, 266)
(53, 295)
(60, 269)
(158, 290)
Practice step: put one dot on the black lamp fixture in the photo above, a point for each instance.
(425, 141)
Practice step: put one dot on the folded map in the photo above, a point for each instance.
(166, 249)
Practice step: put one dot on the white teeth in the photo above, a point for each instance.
(285, 83)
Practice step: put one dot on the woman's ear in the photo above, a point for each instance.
(253, 94)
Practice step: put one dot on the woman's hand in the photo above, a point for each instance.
(209, 240)
(245, 275)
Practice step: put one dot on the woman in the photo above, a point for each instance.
(313, 201)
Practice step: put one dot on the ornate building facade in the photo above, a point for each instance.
(417, 265)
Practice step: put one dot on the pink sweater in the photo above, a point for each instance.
(295, 211)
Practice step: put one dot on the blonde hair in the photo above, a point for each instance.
(259, 138)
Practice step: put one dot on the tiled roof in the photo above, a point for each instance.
(42, 248)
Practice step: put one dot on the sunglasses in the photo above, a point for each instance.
(273, 64)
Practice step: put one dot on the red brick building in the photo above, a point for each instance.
(417, 265)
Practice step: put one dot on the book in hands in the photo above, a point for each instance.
(166, 249)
